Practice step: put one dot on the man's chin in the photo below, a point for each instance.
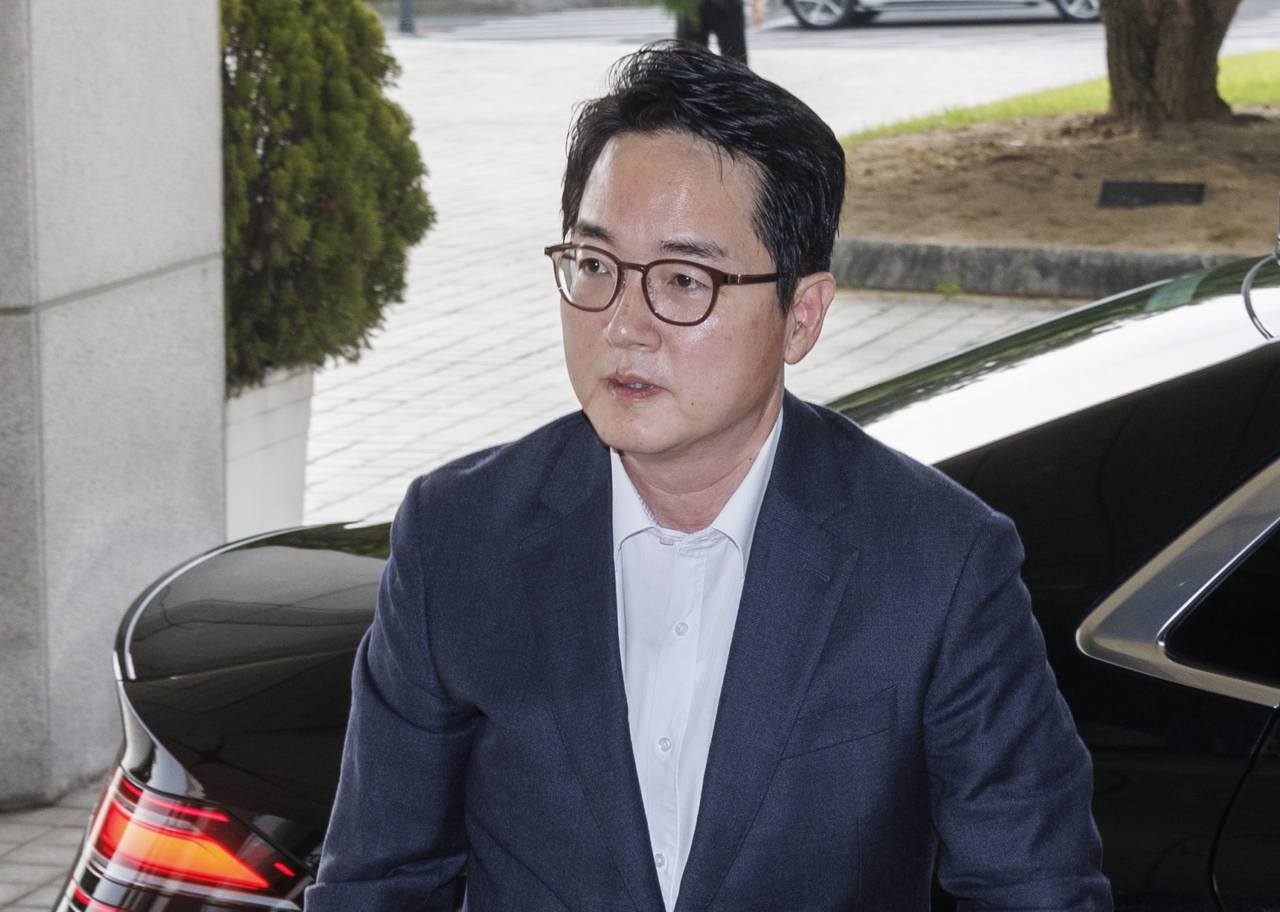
(629, 443)
(639, 438)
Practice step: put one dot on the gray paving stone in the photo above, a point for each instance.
(32, 875)
(57, 815)
(62, 837)
(20, 833)
(37, 848)
(44, 897)
(85, 798)
(56, 856)
(11, 892)
(27, 898)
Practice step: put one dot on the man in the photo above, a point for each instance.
(703, 646)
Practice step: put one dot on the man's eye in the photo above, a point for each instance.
(687, 282)
(592, 265)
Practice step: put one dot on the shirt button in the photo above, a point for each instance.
(660, 860)
(664, 744)
(681, 629)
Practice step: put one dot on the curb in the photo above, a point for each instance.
(1042, 272)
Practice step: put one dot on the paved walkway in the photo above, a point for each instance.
(37, 848)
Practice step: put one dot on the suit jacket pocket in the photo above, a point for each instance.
(827, 728)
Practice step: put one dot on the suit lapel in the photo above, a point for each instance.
(796, 577)
(567, 572)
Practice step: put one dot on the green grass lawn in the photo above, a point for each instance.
(1243, 79)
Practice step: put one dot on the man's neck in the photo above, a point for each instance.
(687, 493)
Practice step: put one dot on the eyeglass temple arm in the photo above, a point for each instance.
(751, 279)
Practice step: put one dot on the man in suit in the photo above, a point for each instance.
(703, 646)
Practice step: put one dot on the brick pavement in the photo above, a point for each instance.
(37, 848)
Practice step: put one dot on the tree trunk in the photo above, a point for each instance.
(1162, 58)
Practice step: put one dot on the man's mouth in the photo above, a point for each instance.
(631, 387)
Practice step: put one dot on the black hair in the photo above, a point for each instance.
(681, 87)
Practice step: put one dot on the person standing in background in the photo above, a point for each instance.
(725, 18)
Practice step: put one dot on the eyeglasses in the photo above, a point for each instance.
(677, 291)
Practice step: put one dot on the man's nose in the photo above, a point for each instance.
(632, 324)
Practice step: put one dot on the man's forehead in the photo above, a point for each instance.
(724, 158)
(700, 248)
(677, 170)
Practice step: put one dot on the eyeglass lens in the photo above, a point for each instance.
(678, 291)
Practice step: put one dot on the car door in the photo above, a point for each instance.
(1099, 498)
(1234, 631)
(1247, 868)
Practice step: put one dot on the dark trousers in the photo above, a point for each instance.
(725, 18)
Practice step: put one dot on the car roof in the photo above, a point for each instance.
(1066, 364)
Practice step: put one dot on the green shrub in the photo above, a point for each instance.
(322, 183)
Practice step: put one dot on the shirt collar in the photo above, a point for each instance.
(630, 515)
(737, 519)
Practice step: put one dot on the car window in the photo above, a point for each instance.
(1097, 493)
(1236, 628)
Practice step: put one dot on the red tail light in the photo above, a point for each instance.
(146, 850)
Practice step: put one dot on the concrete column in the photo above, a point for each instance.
(111, 352)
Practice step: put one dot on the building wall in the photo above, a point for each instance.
(111, 352)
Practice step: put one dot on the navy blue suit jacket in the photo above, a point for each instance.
(886, 688)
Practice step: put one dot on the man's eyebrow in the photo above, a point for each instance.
(585, 231)
(704, 250)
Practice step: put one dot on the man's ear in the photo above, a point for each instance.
(809, 304)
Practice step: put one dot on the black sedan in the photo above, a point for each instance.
(1136, 444)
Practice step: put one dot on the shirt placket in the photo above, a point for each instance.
(676, 674)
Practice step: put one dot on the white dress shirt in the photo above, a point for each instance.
(678, 597)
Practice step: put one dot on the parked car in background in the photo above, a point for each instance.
(822, 14)
(1136, 444)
